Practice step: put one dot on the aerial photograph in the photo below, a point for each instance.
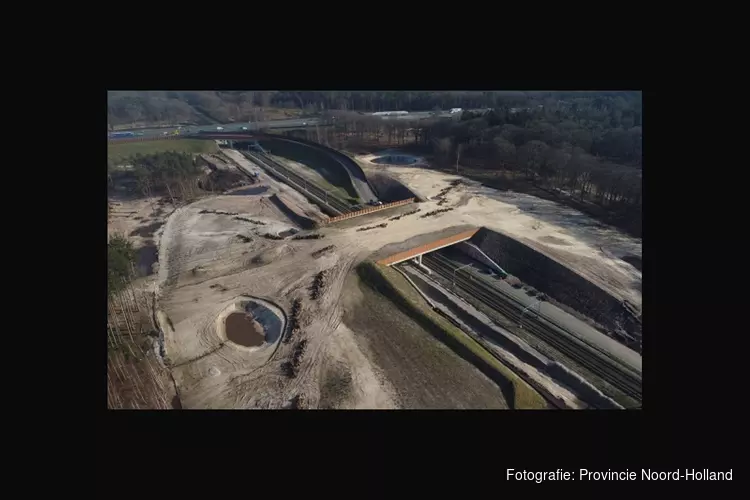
(347, 250)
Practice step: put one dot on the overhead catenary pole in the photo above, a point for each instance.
(538, 303)
(456, 270)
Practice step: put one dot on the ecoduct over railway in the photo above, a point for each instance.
(476, 247)
(461, 265)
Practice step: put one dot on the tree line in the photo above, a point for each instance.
(176, 174)
(587, 150)
(583, 146)
(120, 260)
(202, 107)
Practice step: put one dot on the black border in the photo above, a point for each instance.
(686, 388)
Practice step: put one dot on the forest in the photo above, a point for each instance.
(583, 148)
(586, 151)
(175, 174)
(204, 107)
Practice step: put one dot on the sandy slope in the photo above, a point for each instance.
(204, 267)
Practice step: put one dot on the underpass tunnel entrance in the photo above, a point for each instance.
(419, 251)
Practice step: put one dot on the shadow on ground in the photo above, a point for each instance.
(146, 256)
(146, 231)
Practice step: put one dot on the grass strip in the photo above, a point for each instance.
(392, 285)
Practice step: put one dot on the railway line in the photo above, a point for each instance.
(298, 182)
(565, 342)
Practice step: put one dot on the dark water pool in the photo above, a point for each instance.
(242, 329)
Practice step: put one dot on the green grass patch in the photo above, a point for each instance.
(392, 285)
(318, 161)
(316, 178)
(120, 152)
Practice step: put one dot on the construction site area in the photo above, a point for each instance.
(337, 281)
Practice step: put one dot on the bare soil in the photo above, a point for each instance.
(592, 249)
(360, 351)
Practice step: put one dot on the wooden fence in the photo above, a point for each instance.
(369, 210)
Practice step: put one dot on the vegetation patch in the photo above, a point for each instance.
(251, 221)
(176, 175)
(319, 284)
(435, 212)
(271, 236)
(314, 236)
(217, 212)
(291, 368)
(122, 152)
(393, 286)
(294, 321)
(384, 224)
(318, 253)
(120, 260)
(398, 217)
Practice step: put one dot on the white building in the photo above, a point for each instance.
(390, 113)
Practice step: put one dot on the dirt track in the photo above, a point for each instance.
(205, 266)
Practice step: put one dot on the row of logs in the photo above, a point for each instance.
(436, 212)
(384, 224)
(407, 213)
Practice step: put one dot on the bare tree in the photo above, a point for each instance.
(531, 158)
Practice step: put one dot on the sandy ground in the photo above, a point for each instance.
(291, 195)
(204, 268)
(589, 247)
(139, 220)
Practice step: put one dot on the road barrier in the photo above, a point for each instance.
(369, 210)
(428, 247)
(141, 139)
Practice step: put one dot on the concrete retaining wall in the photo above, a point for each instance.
(556, 280)
(339, 161)
(400, 256)
(369, 210)
(352, 167)
(390, 189)
(477, 255)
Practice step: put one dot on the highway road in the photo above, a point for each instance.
(228, 127)
(609, 362)
(271, 124)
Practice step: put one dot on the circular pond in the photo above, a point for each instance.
(251, 323)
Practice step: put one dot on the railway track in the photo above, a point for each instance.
(298, 182)
(601, 365)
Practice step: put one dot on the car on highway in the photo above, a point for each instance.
(244, 128)
(219, 128)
